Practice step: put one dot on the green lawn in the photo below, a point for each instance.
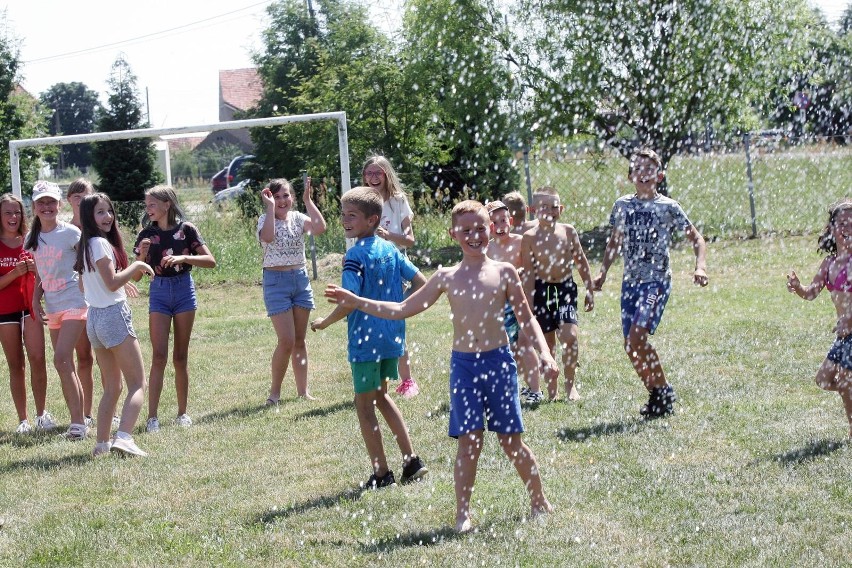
(754, 468)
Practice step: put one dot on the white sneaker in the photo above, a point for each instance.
(24, 427)
(126, 447)
(152, 425)
(184, 420)
(77, 432)
(101, 449)
(45, 422)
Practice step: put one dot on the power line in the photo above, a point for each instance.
(142, 37)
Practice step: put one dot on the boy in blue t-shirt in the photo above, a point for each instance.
(374, 268)
(642, 228)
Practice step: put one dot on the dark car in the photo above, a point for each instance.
(226, 177)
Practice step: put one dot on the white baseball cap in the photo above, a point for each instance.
(46, 189)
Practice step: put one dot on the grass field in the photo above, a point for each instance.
(755, 468)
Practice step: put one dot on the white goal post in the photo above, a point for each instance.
(340, 117)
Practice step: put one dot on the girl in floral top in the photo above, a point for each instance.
(287, 290)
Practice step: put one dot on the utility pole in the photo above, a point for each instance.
(310, 9)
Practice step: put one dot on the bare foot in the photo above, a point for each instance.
(307, 396)
(464, 525)
(539, 511)
(573, 394)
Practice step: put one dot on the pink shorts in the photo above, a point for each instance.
(54, 320)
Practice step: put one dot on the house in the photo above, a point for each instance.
(239, 90)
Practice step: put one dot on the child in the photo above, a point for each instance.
(505, 246)
(395, 226)
(375, 268)
(172, 246)
(642, 227)
(110, 325)
(17, 280)
(548, 249)
(286, 288)
(835, 374)
(518, 212)
(77, 190)
(53, 245)
(483, 377)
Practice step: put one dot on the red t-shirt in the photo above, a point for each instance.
(12, 296)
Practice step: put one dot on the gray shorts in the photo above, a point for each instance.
(109, 327)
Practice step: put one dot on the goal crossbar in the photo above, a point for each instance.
(339, 117)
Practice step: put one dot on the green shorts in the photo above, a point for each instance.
(367, 377)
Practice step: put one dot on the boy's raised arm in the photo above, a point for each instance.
(417, 302)
(613, 246)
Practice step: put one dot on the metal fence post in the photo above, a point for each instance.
(747, 143)
(311, 241)
(527, 174)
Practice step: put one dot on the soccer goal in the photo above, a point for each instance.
(340, 117)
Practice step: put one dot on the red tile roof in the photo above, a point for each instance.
(240, 88)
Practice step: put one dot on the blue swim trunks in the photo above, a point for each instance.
(484, 390)
(841, 352)
(643, 304)
(510, 323)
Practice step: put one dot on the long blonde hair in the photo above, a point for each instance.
(392, 184)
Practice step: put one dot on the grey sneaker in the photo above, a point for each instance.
(534, 397)
(152, 425)
(24, 427)
(184, 420)
(89, 421)
(126, 447)
(45, 422)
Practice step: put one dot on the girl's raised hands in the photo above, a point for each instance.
(267, 198)
(306, 195)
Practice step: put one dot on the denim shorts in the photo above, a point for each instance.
(171, 295)
(109, 327)
(841, 352)
(643, 304)
(484, 390)
(284, 289)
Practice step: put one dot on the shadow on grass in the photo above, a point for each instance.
(72, 460)
(440, 411)
(811, 451)
(238, 412)
(28, 440)
(603, 429)
(420, 538)
(325, 502)
(326, 410)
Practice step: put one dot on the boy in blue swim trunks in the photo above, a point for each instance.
(642, 227)
(548, 251)
(483, 376)
(374, 267)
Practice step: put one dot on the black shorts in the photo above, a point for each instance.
(555, 304)
(841, 352)
(14, 317)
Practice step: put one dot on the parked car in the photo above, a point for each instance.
(231, 193)
(229, 176)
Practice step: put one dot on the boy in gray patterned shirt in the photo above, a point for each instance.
(642, 227)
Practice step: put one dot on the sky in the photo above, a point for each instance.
(174, 47)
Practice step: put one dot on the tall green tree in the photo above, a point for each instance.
(126, 167)
(650, 73)
(20, 115)
(464, 84)
(336, 60)
(74, 108)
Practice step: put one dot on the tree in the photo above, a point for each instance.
(126, 167)
(20, 115)
(455, 63)
(74, 109)
(650, 73)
